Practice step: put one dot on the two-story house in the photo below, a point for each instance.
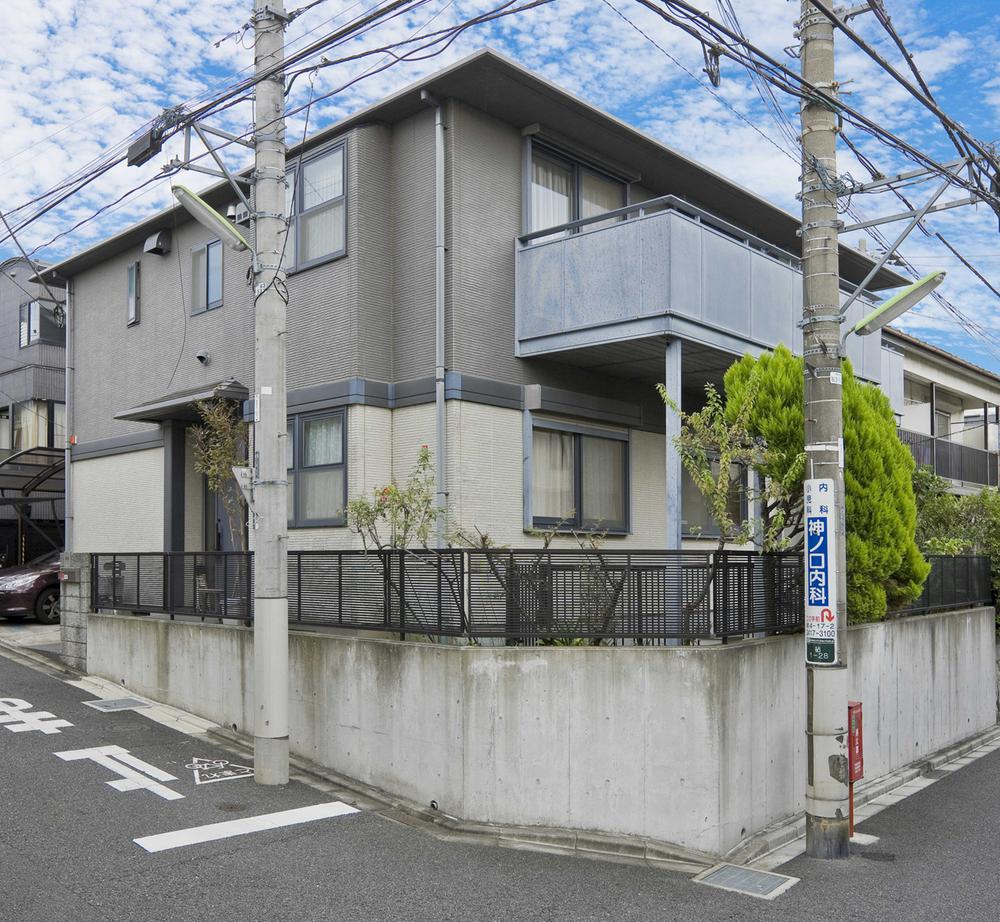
(584, 262)
(32, 414)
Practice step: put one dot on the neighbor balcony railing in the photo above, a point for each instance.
(952, 459)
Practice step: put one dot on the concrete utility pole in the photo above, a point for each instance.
(270, 476)
(826, 669)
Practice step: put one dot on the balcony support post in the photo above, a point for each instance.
(672, 383)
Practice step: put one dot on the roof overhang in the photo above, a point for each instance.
(181, 404)
(494, 84)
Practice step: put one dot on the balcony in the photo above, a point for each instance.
(961, 463)
(662, 268)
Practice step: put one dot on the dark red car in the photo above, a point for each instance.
(31, 589)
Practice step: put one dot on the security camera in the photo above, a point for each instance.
(204, 357)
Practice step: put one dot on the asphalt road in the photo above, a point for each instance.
(67, 849)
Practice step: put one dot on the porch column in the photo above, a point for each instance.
(173, 485)
(672, 509)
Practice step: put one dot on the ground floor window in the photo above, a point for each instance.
(697, 518)
(317, 469)
(579, 478)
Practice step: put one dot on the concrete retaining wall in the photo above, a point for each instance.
(696, 746)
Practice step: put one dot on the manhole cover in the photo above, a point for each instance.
(117, 704)
(761, 884)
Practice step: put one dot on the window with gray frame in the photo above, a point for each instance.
(579, 479)
(317, 469)
(132, 284)
(564, 189)
(206, 277)
(696, 516)
(38, 325)
(316, 206)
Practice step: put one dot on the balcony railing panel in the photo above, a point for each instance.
(664, 266)
(952, 459)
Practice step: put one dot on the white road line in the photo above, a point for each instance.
(196, 834)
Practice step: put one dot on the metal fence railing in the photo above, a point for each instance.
(524, 596)
(954, 582)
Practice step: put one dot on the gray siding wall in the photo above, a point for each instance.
(118, 367)
(412, 182)
(485, 216)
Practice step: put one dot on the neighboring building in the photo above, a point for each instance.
(947, 410)
(555, 333)
(32, 414)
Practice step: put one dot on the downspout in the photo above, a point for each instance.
(68, 385)
(440, 486)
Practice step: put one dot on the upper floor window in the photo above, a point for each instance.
(317, 472)
(38, 325)
(579, 479)
(39, 423)
(564, 190)
(206, 277)
(132, 315)
(316, 206)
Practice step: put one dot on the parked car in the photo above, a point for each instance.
(32, 589)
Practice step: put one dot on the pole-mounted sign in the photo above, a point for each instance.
(821, 579)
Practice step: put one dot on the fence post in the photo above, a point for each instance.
(298, 583)
(402, 596)
(340, 589)
(114, 582)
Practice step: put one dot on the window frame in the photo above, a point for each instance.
(577, 523)
(578, 165)
(209, 305)
(295, 427)
(133, 303)
(296, 214)
(42, 339)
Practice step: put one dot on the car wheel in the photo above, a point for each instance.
(47, 606)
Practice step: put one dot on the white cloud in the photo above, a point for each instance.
(83, 74)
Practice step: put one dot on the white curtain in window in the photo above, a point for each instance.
(59, 424)
(321, 232)
(31, 424)
(214, 256)
(552, 479)
(321, 494)
(602, 463)
(599, 194)
(322, 441)
(551, 193)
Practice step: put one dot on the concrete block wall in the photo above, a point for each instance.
(699, 747)
(74, 608)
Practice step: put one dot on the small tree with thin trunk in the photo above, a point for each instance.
(220, 444)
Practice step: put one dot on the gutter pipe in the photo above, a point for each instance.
(440, 486)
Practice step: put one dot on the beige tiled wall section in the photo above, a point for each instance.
(118, 503)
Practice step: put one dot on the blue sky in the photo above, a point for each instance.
(83, 74)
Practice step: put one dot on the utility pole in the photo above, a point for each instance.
(270, 477)
(826, 668)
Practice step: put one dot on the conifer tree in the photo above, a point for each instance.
(884, 565)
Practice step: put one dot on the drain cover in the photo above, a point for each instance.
(761, 884)
(116, 704)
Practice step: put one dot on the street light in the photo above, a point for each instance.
(897, 305)
(208, 217)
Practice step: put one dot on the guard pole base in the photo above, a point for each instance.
(270, 760)
(827, 837)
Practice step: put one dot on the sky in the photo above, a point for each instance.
(83, 75)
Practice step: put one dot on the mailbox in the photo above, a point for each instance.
(855, 741)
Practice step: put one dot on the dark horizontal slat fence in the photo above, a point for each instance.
(524, 596)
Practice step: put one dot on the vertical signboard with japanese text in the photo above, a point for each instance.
(821, 573)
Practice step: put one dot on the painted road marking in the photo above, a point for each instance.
(214, 831)
(208, 771)
(135, 774)
(13, 715)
